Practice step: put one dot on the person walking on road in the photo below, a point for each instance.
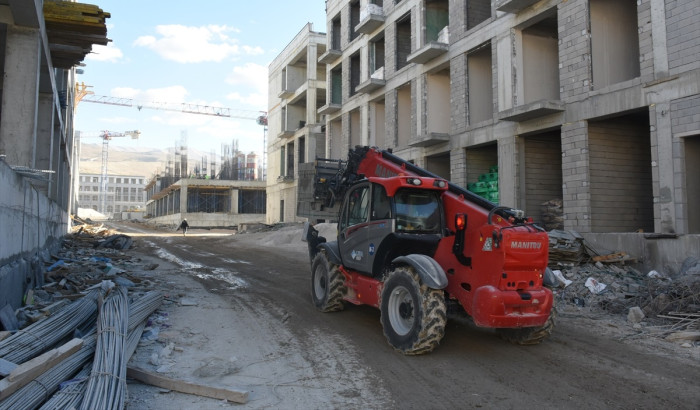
(184, 225)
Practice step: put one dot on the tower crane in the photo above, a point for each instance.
(106, 137)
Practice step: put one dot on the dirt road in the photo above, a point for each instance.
(240, 316)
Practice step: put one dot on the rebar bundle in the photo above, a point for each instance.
(39, 389)
(70, 392)
(141, 308)
(43, 335)
(106, 387)
(71, 395)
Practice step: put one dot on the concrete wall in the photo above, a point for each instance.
(542, 172)
(437, 103)
(540, 66)
(620, 177)
(480, 85)
(37, 149)
(615, 42)
(32, 225)
(207, 220)
(663, 255)
(682, 33)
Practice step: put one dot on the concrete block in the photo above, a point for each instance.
(635, 315)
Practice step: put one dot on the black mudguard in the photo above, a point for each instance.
(430, 272)
(316, 243)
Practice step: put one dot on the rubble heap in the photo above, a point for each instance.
(609, 283)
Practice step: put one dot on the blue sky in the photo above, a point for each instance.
(208, 52)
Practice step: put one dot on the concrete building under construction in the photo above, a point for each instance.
(40, 44)
(297, 89)
(208, 192)
(593, 104)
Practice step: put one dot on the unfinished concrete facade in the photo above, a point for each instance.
(297, 89)
(205, 203)
(124, 193)
(592, 102)
(37, 154)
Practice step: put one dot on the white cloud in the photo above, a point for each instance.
(109, 53)
(173, 94)
(253, 99)
(253, 76)
(116, 120)
(188, 44)
(253, 51)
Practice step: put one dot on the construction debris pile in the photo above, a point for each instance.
(69, 345)
(586, 280)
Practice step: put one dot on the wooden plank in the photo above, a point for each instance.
(6, 367)
(30, 370)
(181, 386)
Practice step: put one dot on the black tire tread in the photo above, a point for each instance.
(336, 285)
(530, 335)
(434, 318)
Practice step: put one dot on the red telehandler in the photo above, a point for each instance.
(410, 243)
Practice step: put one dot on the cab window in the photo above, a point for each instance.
(381, 206)
(417, 211)
(358, 206)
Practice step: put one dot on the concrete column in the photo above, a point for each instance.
(458, 94)
(364, 124)
(20, 96)
(419, 97)
(183, 199)
(311, 91)
(458, 166)
(658, 38)
(507, 170)
(45, 130)
(504, 66)
(391, 117)
(234, 201)
(576, 176)
(662, 169)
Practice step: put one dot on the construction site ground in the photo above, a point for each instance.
(238, 315)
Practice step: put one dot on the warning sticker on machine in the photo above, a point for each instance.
(488, 245)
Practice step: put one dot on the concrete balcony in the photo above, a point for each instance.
(285, 94)
(370, 85)
(285, 134)
(330, 56)
(428, 52)
(532, 110)
(329, 108)
(371, 18)
(375, 81)
(514, 6)
(430, 139)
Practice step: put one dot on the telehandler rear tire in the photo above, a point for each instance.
(327, 285)
(413, 315)
(530, 335)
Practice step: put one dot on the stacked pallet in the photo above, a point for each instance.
(487, 186)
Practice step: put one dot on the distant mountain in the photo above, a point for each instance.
(132, 161)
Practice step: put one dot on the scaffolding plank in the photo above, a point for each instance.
(30, 370)
(181, 386)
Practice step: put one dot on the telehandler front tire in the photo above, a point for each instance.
(413, 315)
(327, 285)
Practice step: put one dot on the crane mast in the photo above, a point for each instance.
(106, 136)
